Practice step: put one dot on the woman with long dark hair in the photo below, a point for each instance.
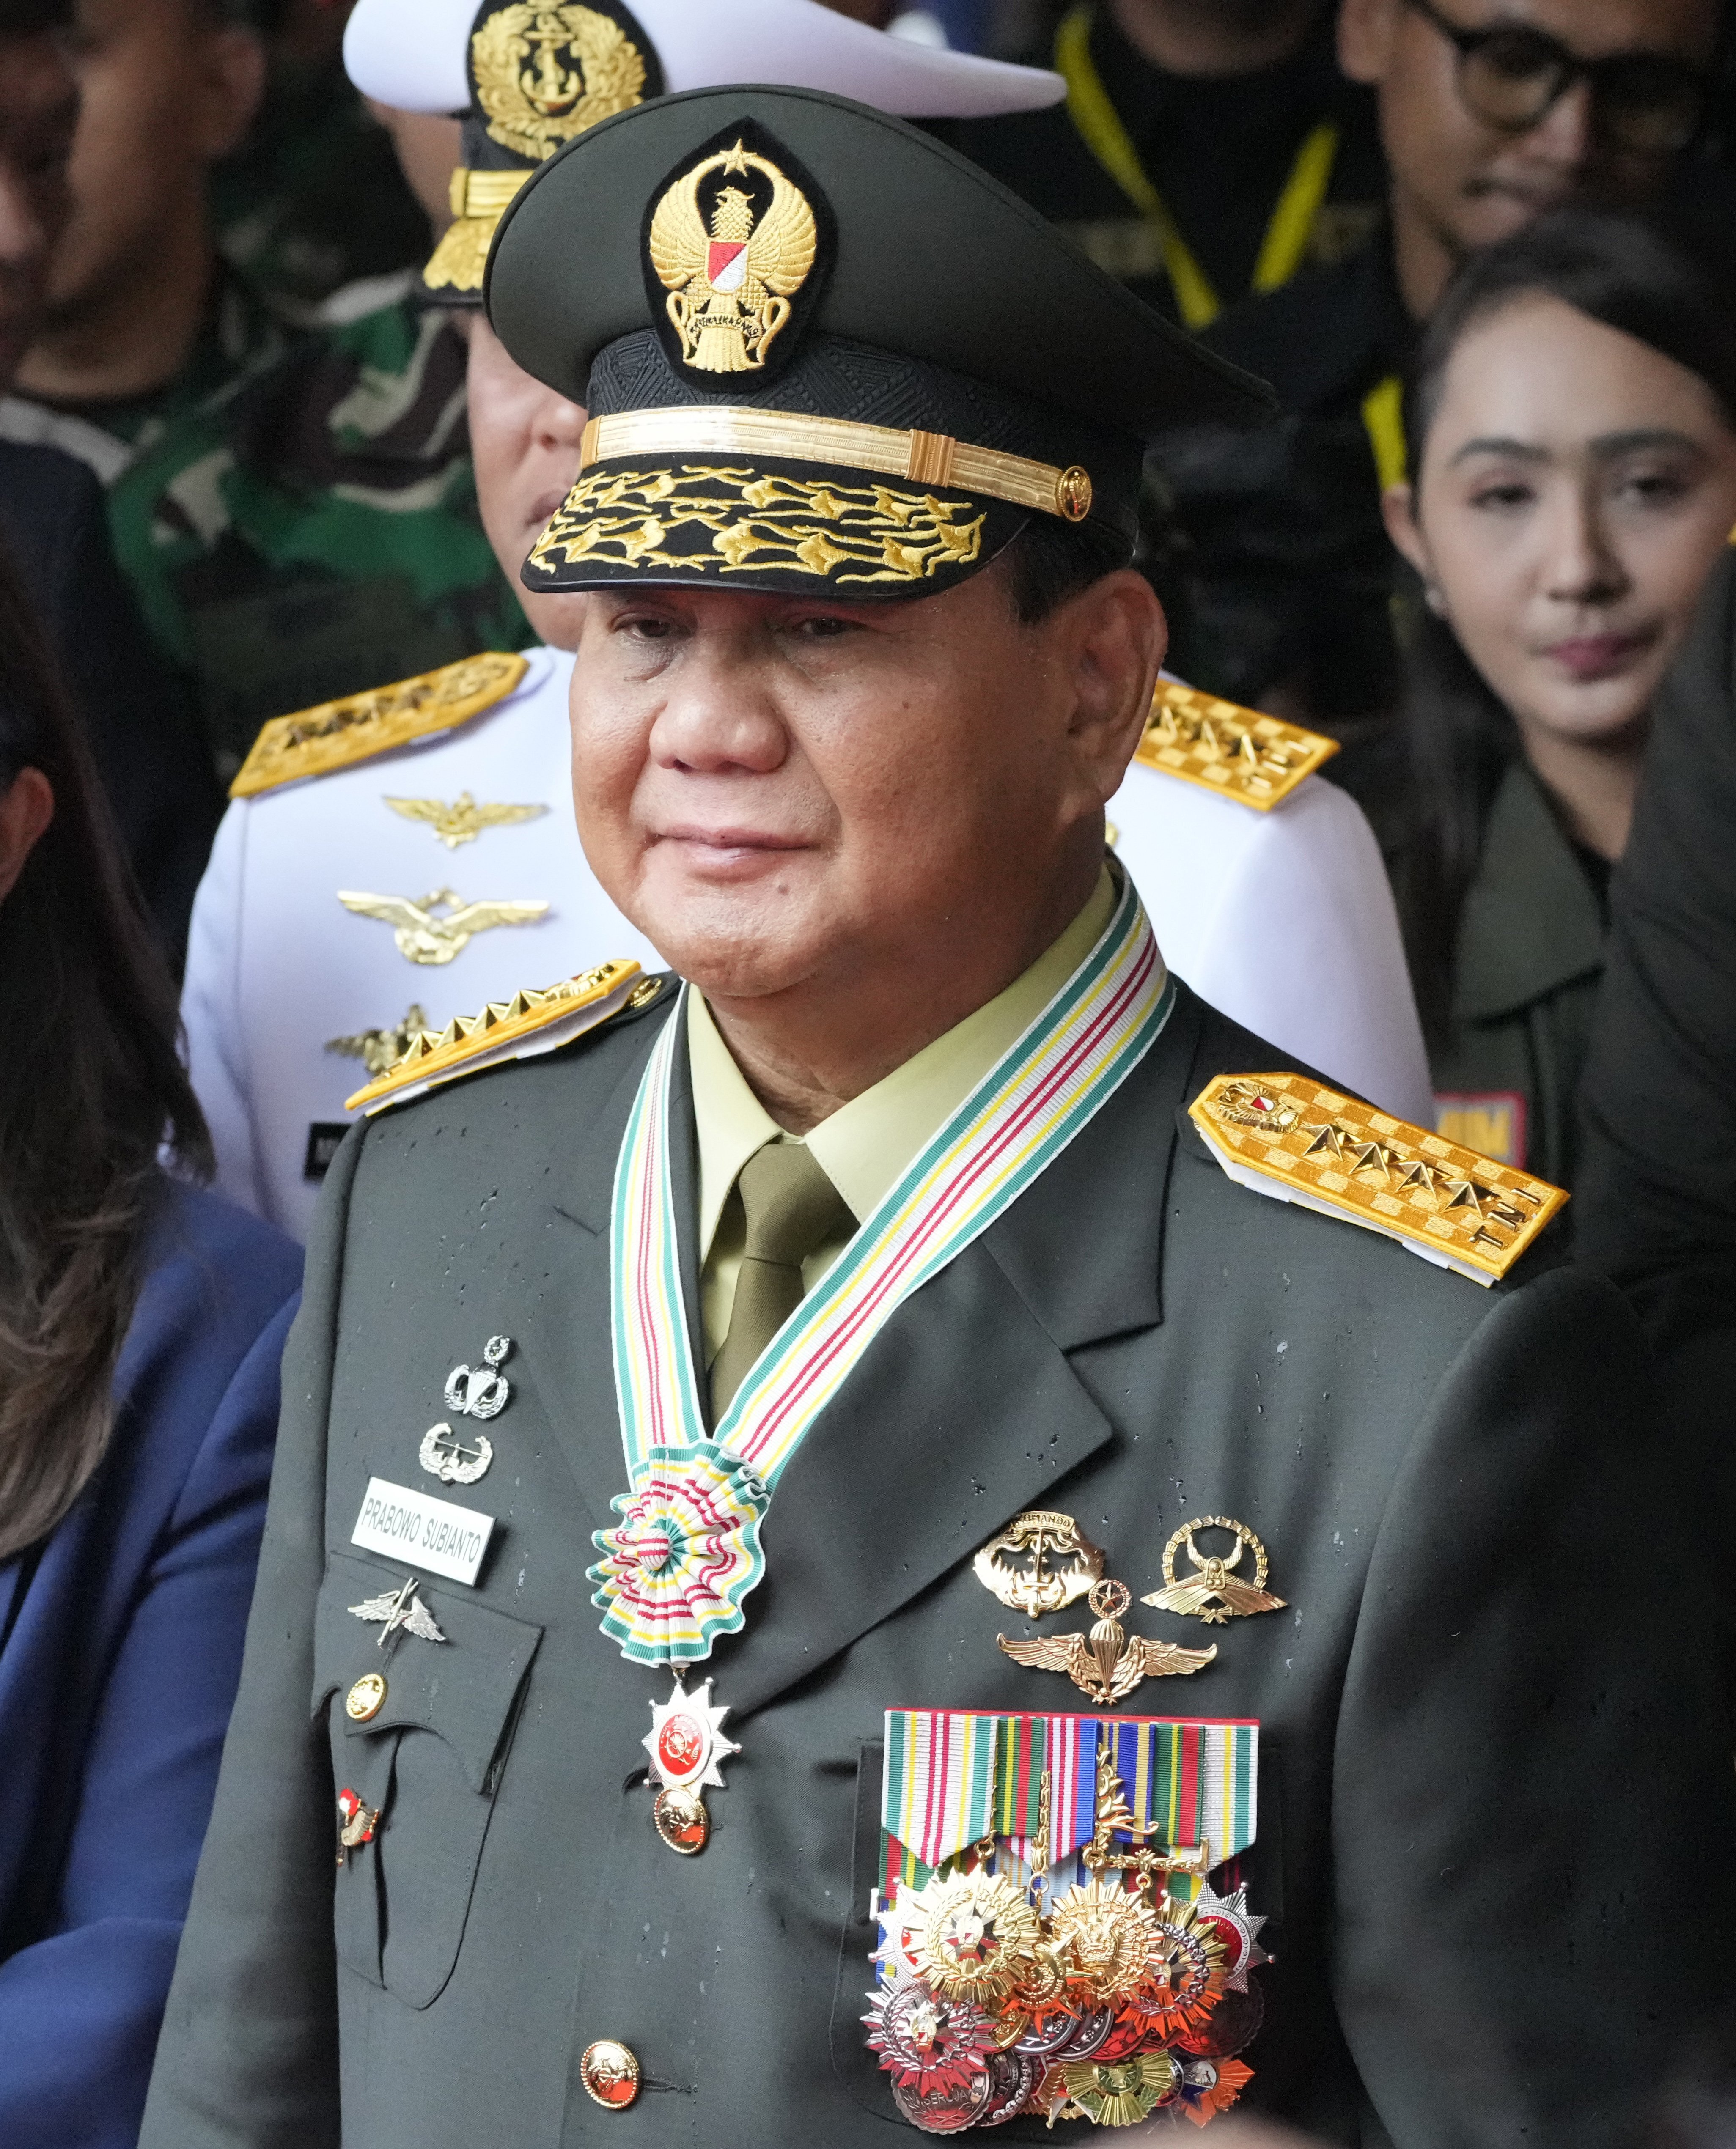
(1571, 420)
(141, 1323)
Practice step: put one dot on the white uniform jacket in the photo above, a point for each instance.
(1283, 920)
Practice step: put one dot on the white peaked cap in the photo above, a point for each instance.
(411, 53)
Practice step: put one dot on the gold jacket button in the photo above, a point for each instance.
(365, 1698)
(610, 2074)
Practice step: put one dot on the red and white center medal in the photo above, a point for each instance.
(685, 1742)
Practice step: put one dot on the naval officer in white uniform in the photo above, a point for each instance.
(395, 890)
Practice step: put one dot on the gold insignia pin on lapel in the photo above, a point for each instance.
(1213, 1594)
(1109, 1663)
(1041, 1561)
(464, 820)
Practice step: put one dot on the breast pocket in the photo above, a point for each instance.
(428, 1760)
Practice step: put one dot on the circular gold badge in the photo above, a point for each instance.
(1072, 493)
(543, 74)
(365, 1698)
(610, 2074)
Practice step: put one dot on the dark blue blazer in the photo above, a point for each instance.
(122, 1648)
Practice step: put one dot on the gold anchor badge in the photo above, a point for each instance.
(423, 938)
(464, 820)
(1213, 1594)
(1109, 1663)
(1041, 1562)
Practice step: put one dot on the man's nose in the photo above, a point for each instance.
(559, 424)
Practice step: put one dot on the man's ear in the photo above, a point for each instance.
(26, 806)
(1115, 637)
(1366, 32)
(231, 82)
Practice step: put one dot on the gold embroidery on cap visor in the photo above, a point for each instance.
(725, 520)
(479, 200)
(730, 278)
(730, 517)
(543, 74)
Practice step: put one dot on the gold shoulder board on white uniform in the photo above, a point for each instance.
(1285, 1135)
(1239, 753)
(531, 1022)
(334, 734)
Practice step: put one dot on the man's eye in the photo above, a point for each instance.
(823, 626)
(646, 630)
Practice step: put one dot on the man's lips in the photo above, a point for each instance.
(1589, 656)
(730, 841)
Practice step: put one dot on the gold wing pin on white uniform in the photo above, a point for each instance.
(423, 938)
(464, 820)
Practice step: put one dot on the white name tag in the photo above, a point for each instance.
(422, 1531)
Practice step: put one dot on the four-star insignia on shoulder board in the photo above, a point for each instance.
(1239, 753)
(1288, 1136)
(335, 734)
(423, 936)
(464, 820)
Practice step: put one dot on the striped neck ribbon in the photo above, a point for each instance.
(685, 1550)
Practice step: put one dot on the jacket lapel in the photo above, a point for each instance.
(968, 1393)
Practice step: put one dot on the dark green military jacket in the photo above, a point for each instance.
(1528, 964)
(316, 534)
(1495, 1823)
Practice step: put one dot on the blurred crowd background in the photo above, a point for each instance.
(1484, 250)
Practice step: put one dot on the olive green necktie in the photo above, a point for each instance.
(792, 1208)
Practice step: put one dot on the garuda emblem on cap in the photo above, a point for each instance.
(732, 240)
(544, 74)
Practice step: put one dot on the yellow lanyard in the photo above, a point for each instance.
(1100, 123)
(1383, 421)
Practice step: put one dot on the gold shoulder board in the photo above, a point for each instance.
(332, 734)
(1237, 753)
(531, 1022)
(1285, 1135)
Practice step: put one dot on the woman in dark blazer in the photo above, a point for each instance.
(1571, 420)
(141, 1322)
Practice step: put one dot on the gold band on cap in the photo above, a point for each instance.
(479, 200)
(933, 459)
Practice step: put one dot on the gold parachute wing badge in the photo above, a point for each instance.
(1109, 1663)
(545, 73)
(730, 285)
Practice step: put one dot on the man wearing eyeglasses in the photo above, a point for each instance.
(1491, 112)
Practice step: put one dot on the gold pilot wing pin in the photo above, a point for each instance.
(463, 820)
(1289, 1136)
(1109, 1663)
(1214, 1593)
(378, 1049)
(424, 935)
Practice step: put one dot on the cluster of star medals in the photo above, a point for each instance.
(1110, 2002)
(1115, 1999)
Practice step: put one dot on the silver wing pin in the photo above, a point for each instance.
(400, 1608)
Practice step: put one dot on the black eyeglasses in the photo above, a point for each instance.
(1510, 76)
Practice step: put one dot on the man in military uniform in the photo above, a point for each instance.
(909, 1278)
(399, 860)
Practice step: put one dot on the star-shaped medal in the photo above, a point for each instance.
(685, 1742)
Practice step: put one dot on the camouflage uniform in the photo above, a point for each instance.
(316, 533)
